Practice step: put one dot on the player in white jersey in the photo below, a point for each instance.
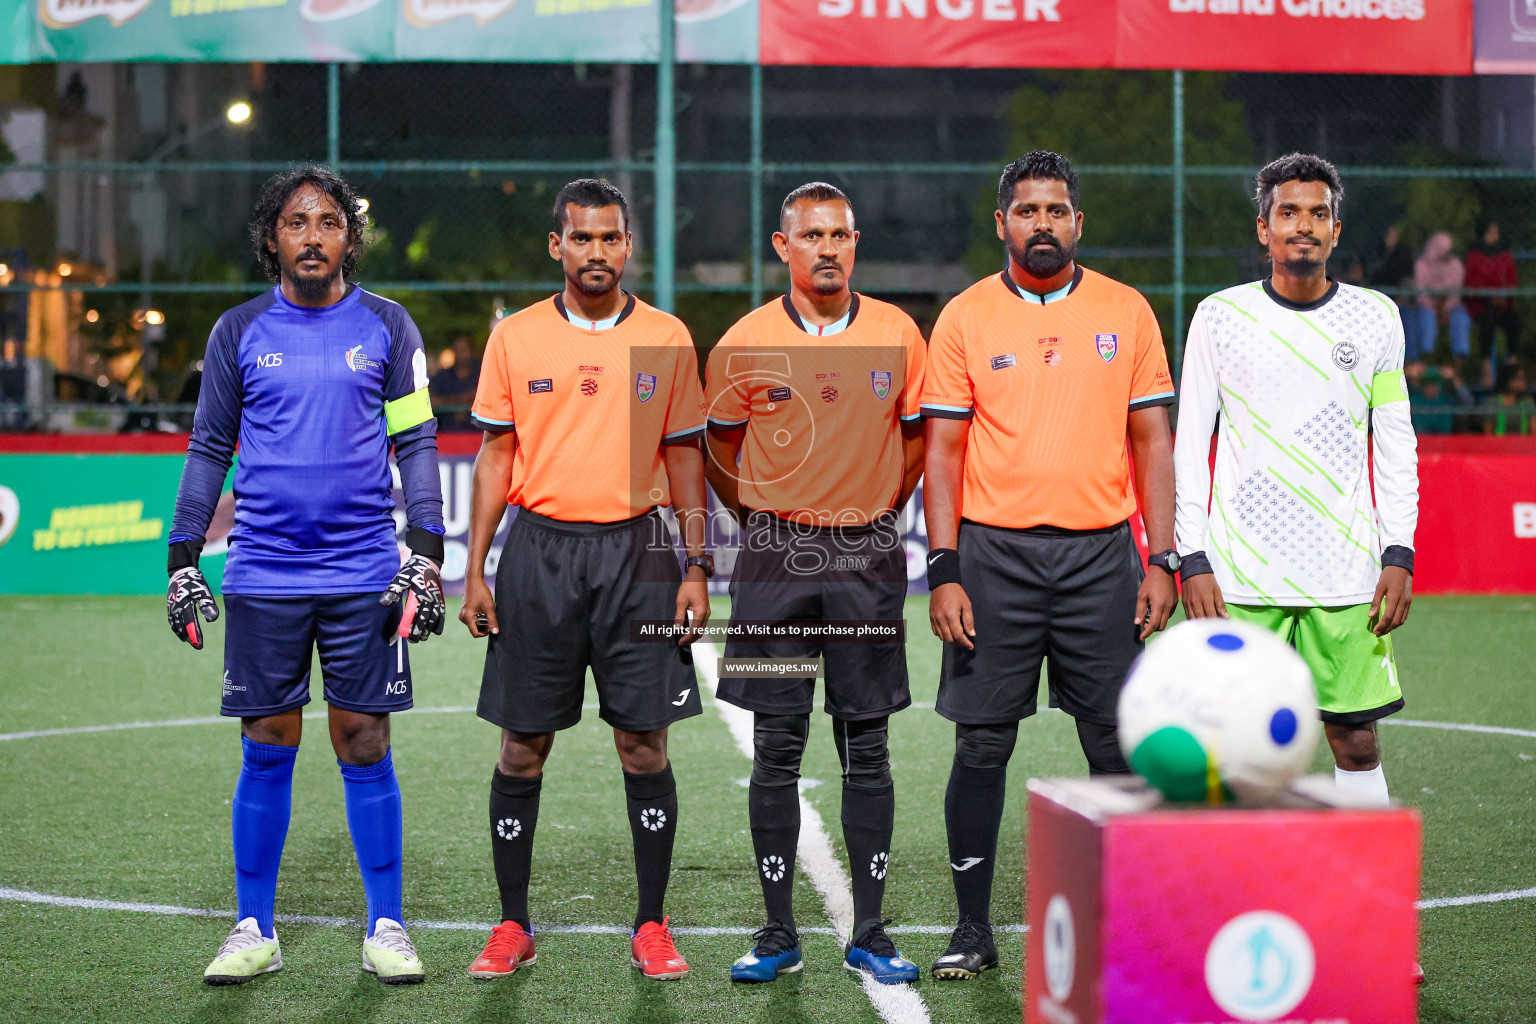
(1306, 377)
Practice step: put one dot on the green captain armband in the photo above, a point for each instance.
(411, 411)
(1387, 388)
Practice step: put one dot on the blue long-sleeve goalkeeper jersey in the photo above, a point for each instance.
(315, 398)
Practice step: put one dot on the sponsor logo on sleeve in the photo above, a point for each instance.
(880, 380)
(418, 370)
(1004, 361)
(778, 394)
(1108, 344)
(645, 386)
(539, 387)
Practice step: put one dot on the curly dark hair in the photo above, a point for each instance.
(1297, 167)
(1037, 165)
(275, 195)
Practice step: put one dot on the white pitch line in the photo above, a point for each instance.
(898, 1004)
(1487, 897)
(1459, 727)
(168, 910)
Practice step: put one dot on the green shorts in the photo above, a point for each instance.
(1353, 668)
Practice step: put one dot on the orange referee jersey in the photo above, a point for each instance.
(1048, 388)
(591, 408)
(822, 412)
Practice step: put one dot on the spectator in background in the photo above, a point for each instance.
(1393, 268)
(1512, 402)
(455, 384)
(1439, 277)
(1429, 404)
(1490, 264)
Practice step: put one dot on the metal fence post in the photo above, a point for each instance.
(756, 205)
(332, 115)
(666, 160)
(1178, 223)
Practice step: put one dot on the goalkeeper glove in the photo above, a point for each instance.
(188, 595)
(423, 609)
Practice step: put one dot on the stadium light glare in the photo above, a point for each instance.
(239, 112)
(103, 380)
(65, 270)
(154, 317)
(362, 205)
(91, 316)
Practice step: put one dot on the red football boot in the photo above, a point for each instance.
(508, 948)
(653, 951)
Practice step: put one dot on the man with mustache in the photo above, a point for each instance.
(1303, 372)
(316, 380)
(815, 445)
(1039, 379)
(592, 413)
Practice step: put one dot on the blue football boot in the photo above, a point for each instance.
(775, 951)
(872, 952)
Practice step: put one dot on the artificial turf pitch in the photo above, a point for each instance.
(142, 815)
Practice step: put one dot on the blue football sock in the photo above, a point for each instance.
(373, 816)
(259, 823)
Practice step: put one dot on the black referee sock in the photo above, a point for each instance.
(973, 813)
(775, 815)
(514, 813)
(652, 803)
(868, 819)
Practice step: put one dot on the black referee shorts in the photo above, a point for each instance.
(788, 571)
(1067, 596)
(565, 596)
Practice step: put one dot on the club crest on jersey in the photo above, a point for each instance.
(1109, 344)
(357, 361)
(1003, 362)
(880, 380)
(1345, 356)
(645, 386)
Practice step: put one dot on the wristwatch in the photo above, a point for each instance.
(705, 561)
(1169, 560)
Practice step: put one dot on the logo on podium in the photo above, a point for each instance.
(1060, 948)
(1259, 966)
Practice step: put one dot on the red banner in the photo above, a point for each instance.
(1417, 37)
(1404, 37)
(938, 33)
(1477, 524)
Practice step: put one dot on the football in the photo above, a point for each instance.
(1216, 709)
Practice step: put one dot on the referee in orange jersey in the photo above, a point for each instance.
(1039, 378)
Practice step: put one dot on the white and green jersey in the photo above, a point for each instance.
(1304, 394)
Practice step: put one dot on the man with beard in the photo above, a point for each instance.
(592, 413)
(1306, 375)
(315, 380)
(1037, 379)
(815, 444)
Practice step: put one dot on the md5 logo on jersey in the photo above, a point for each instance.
(645, 386)
(538, 387)
(880, 380)
(357, 361)
(778, 394)
(398, 688)
(1259, 966)
(1345, 356)
(1108, 344)
(268, 360)
(1003, 362)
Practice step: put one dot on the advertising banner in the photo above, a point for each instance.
(1403, 37)
(15, 31)
(939, 33)
(1477, 524)
(1504, 37)
(709, 31)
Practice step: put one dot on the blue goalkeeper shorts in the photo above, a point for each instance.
(269, 643)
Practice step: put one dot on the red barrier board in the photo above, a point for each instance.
(1413, 37)
(1477, 524)
(938, 33)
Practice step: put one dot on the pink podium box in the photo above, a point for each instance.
(1142, 912)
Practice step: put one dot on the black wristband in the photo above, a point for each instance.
(425, 542)
(184, 554)
(943, 567)
(1194, 564)
(1398, 555)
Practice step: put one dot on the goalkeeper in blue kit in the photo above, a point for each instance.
(316, 380)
